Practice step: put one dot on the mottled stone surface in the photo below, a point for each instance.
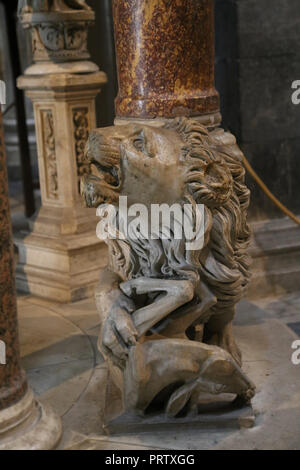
(12, 378)
(165, 58)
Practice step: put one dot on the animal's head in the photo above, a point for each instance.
(152, 165)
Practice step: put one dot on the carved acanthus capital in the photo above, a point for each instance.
(59, 36)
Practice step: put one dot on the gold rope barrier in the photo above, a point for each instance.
(277, 203)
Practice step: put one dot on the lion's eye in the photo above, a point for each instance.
(139, 144)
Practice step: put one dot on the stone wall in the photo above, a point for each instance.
(257, 59)
(102, 48)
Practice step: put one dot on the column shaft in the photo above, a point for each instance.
(165, 58)
(25, 424)
(13, 384)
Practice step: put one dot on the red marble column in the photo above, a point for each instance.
(13, 385)
(25, 424)
(165, 58)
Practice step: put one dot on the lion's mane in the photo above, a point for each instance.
(215, 178)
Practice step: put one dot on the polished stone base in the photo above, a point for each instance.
(213, 412)
(63, 269)
(210, 120)
(29, 425)
(222, 417)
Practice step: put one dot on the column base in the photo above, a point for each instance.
(61, 269)
(29, 425)
(211, 120)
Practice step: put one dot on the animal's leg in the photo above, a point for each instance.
(219, 374)
(218, 331)
(183, 369)
(177, 293)
(117, 332)
(190, 313)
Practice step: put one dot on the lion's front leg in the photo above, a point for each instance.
(117, 332)
(176, 293)
(219, 331)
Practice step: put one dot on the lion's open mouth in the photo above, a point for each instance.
(107, 174)
(103, 181)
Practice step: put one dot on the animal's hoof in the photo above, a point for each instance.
(245, 397)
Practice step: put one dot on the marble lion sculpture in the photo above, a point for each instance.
(166, 312)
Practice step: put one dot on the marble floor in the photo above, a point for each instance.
(65, 369)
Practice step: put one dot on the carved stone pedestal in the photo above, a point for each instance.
(62, 256)
(210, 413)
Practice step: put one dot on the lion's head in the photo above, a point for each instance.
(180, 161)
(153, 165)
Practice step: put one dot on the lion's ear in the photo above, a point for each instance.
(213, 186)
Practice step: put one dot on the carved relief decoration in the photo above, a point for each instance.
(81, 133)
(49, 154)
(59, 41)
(59, 30)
